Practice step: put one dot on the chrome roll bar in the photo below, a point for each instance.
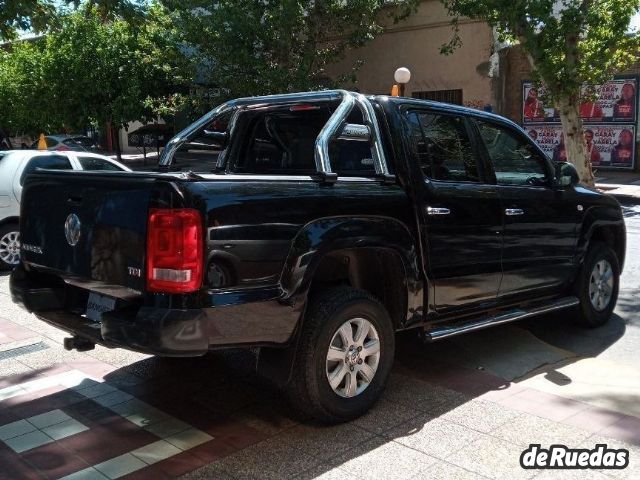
(331, 129)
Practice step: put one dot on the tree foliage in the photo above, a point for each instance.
(39, 15)
(568, 43)
(252, 47)
(92, 71)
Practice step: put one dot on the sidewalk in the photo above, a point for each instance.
(624, 185)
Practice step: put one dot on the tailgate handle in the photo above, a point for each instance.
(74, 200)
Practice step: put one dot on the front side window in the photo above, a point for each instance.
(441, 144)
(515, 160)
(49, 162)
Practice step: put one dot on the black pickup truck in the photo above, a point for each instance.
(314, 226)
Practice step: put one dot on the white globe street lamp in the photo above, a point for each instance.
(402, 77)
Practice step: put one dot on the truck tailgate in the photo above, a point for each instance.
(88, 228)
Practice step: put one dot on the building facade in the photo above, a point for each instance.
(464, 77)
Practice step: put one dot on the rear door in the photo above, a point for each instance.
(540, 222)
(459, 209)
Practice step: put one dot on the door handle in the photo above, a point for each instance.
(438, 211)
(511, 212)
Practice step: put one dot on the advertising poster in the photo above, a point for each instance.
(609, 145)
(615, 102)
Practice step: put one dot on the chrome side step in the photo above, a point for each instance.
(439, 333)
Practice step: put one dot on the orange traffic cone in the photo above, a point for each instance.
(42, 143)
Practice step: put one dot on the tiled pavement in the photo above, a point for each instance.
(115, 414)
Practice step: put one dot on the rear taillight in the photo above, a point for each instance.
(174, 250)
(62, 148)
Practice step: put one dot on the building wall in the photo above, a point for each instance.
(415, 43)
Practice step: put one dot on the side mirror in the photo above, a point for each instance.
(566, 174)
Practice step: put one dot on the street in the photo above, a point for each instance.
(462, 408)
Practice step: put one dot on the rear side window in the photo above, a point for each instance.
(50, 162)
(92, 163)
(281, 141)
(442, 147)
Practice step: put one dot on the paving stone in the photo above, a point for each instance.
(327, 472)
(120, 466)
(434, 436)
(92, 389)
(113, 398)
(156, 452)
(386, 415)
(492, 458)
(480, 415)
(65, 429)
(12, 366)
(15, 429)
(48, 418)
(448, 471)
(270, 459)
(266, 418)
(189, 438)
(527, 429)
(380, 458)
(167, 427)
(422, 396)
(28, 441)
(325, 442)
(86, 474)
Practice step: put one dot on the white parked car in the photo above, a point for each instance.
(14, 167)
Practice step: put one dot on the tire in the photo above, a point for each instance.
(598, 295)
(309, 390)
(9, 246)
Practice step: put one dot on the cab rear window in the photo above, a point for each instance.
(49, 162)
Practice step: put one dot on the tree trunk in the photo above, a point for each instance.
(574, 139)
(116, 131)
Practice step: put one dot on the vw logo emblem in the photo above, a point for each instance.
(72, 229)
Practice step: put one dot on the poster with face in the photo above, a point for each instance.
(608, 145)
(534, 109)
(612, 102)
(615, 101)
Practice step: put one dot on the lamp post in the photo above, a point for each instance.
(402, 77)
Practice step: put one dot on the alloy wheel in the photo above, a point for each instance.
(353, 357)
(10, 248)
(601, 285)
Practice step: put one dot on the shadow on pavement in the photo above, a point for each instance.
(430, 411)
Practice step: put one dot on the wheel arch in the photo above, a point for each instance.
(10, 220)
(601, 226)
(357, 251)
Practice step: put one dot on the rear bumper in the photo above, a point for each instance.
(226, 320)
(157, 331)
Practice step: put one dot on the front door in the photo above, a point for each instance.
(460, 213)
(540, 222)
